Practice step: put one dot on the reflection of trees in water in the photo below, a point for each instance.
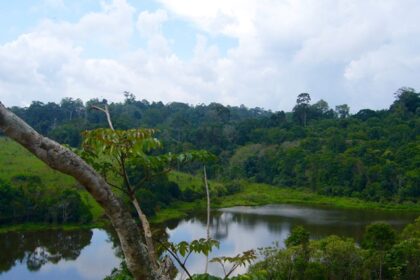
(41, 247)
(113, 239)
(319, 222)
(279, 225)
(220, 226)
(343, 223)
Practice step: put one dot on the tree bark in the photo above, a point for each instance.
(67, 162)
(147, 233)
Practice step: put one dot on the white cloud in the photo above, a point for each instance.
(150, 23)
(286, 47)
(56, 4)
(355, 52)
(112, 26)
(232, 18)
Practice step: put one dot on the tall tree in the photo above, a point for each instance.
(343, 111)
(302, 107)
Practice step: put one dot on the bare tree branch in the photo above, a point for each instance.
(208, 213)
(106, 111)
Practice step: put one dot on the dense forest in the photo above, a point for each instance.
(369, 155)
(373, 155)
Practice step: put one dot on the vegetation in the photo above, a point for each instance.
(64, 160)
(367, 160)
(33, 193)
(176, 195)
(384, 255)
(371, 155)
(253, 194)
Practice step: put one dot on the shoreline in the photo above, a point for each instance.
(253, 194)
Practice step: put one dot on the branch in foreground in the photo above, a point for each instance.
(67, 162)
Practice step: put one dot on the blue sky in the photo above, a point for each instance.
(256, 53)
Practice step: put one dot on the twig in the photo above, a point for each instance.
(208, 214)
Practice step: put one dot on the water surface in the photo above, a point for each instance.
(56, 254)
(92, 254)
(243, 228)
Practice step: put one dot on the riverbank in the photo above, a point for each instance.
(41, 227)
(254, 194)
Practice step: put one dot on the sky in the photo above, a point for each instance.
(259, 53)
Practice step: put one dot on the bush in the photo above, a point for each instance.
(234, 187)
(28, 201)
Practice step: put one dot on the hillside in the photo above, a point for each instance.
(23, 171)
(371, 155)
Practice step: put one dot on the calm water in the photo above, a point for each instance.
(91, 254)
(55, 254)
(243, 228)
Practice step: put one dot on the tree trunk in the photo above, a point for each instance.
(67, 162)
(147, 233)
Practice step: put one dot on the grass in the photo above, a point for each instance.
(15, 160)
(260, 194)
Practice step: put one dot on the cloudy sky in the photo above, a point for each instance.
(253, 52)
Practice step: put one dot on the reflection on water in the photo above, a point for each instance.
(92, 254)
(56, 254)
(243, 228)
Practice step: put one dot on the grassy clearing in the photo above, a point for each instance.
(15, 160)
(259, 194)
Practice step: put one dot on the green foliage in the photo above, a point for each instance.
(234, 187)
(334, 257)
(340, 258)
(28, 201)
(403, 259)
(184, 249)
(412, 230)
(116, 143)
(371, 155)
(243, 259)
(298, 236)
(27, 175)
(379, 237)
(181, 251)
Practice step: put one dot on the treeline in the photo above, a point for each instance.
(373, 155)
(65, 121)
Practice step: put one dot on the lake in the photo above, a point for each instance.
(92, 254)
